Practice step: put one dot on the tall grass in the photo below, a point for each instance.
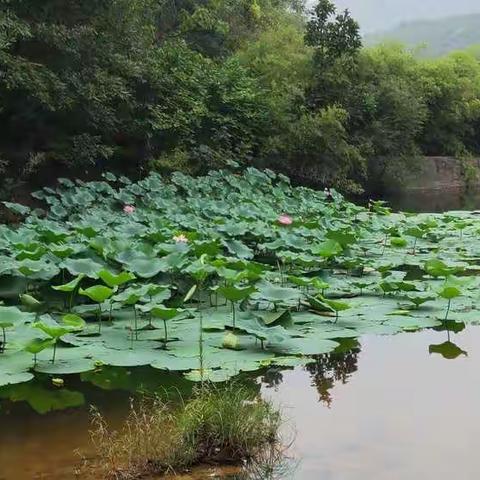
(217, 425)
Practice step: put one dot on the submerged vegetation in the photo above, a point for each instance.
(217, 425)
(217, 275)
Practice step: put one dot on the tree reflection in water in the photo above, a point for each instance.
(326, 370)
(332, 368)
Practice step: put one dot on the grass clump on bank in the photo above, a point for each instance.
(217, 425)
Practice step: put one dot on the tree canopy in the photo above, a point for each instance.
(193, 85)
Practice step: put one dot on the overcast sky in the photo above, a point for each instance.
(374, 15)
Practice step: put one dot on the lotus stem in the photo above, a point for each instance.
(384, 244)
(166, 334)
(4, 341)
(280, 271)
(73, 293)
(99, 317)
(200, 336)
(233, 314)
(136, 322)
(448, 308)
(54, 351)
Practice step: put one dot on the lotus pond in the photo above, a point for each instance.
(127, 287)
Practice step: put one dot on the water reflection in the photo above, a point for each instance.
(326, 370)
(448, 349)
(329, 369)
(378, 411)
(436, 200)
(272, 464)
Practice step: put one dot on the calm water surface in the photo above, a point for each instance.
(387, 410)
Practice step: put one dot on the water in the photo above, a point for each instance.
(388, 409)
(403, 414)
(436, 200)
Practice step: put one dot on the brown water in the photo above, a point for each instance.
(389, 411)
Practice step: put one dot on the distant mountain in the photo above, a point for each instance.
(438, 37)
(377, 15)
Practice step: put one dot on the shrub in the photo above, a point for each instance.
(218, 424)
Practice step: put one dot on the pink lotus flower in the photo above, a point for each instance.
(180, 238)
(285, 220)
(129, 209)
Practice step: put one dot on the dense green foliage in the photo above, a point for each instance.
(210, 276)
(433, 38)
(194, 85)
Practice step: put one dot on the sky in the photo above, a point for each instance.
(377, 15)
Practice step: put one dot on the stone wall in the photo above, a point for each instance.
(440, 185)
(437, 173)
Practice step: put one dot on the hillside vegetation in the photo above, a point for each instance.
(434, 38)
(196, 85)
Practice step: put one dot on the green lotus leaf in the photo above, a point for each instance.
(147, 267)
(398, 242)
(272, 318)
(10, 316)
(70, 286)
(415, 231)
(420, 299)
(164, 313)
(97, 293)
(113, 280)
(328, 249)
(52, 329)
(17, 208)
(276, 294)
(344, 237)
(85, 266)
(30, 303)
(73, 321)
(37, 345)
(12, 378)
(437, 268)
(65, 366)
(236, 294)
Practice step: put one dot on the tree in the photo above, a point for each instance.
(332, 35)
